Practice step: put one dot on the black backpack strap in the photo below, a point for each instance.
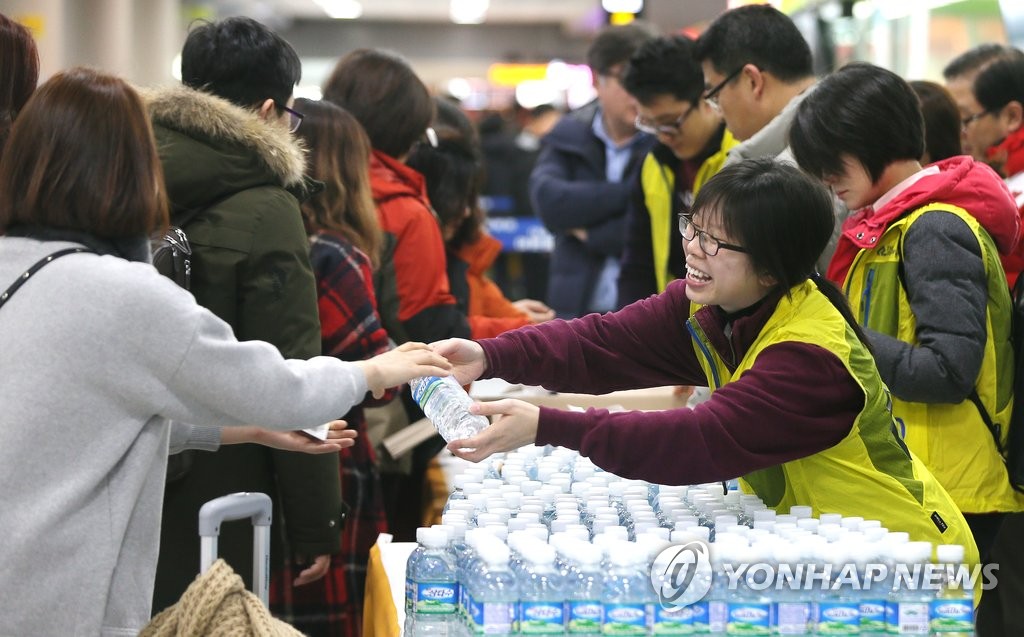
(38, 265)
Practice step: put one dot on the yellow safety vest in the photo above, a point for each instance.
(658, 183)
(870, 472)
(951, 439)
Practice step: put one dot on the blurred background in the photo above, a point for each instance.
(492, 54)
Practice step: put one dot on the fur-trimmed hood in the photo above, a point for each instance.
(217, 123)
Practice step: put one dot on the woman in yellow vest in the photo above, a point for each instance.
(919, 260)
(797, 408)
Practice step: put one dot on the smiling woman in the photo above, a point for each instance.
(770, 330)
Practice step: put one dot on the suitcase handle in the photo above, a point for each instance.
(236, 506)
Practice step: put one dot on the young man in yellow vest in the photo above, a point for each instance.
(666, 80)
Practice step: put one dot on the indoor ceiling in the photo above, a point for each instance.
(498, 11)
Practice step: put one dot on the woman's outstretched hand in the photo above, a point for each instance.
(514, 425)
(338, 437)
(402, 364)
(466, 358)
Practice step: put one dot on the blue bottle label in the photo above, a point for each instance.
(892, 624)
(624, 619)
(541, 618)
(838, 618)
(673, 621)
(584, 616)
(873, 616)
(912, 618)
(433, 598)
(793, 618)
(700, 618)
(748, 619)
(952, 616)
(422, 391)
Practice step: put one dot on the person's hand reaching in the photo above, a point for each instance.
(514, 425)
(402, 364)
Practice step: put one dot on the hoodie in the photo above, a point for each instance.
(962, 182)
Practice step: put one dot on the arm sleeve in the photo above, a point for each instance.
(564, 201)
(608, 237)
(948, 293)
(643, 345)
(199, 437)
(765, 418)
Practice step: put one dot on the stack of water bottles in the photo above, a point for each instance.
(542, 542)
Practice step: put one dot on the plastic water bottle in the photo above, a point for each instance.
(493, 593)
(541, 593)
(430, 596)
(952, 610)
(583, 590)
(446, 404)
(910, 599)
(750, 610)
(839, 606)
(626, 590)
(792, 603)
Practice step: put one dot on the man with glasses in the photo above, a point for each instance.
(668, 84)
(757, 70)
(960, 74)
(580, 186)
(234, 170)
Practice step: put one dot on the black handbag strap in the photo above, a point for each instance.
(38, 265)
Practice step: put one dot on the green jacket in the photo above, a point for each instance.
(251, 268)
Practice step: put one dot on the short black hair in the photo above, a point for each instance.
(941, 120)
(861, 110)
(1000, 83)
(240, 60)
(387, 97)
(664, 66)
(975, 59)
(757, 34)
(614, 45)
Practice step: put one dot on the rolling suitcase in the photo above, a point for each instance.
(237, 506)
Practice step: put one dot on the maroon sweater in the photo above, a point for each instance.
(795, 401)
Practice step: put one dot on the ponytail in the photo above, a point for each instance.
(838, 299)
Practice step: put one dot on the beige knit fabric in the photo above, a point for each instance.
(217, 604)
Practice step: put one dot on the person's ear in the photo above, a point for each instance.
(754, 78)
(1014, 114)
(267, 110)
(767, 280)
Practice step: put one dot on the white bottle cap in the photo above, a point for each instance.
(852, 522)
(830, 518)
(801, 511)
(950, 553)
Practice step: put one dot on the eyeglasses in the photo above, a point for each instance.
(970, 119)
(654, 128)
(708, 243)
(711, 95)
(294, 118)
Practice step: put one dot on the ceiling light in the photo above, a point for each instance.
(468, 11)
(622, 6)
(341, 9)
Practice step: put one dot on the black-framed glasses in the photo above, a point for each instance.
(970, 119)
(711, 95)
(294, 118)
(654, 128)
(710, 244)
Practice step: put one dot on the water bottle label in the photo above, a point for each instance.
(675, 621)
(912, 618)
(541, 618)
(792, 618)
(433, 598)
(873, 616)
(699, 618)
(625, 619)
(423, 390)
(718, 616)
(748, 619)
(892, 623)
(584, 617)
(952, 616)
(493, 618)
(838, 618)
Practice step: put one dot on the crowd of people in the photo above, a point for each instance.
(832, 257)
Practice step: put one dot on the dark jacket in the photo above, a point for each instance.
(251, 268)
(569, 190)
